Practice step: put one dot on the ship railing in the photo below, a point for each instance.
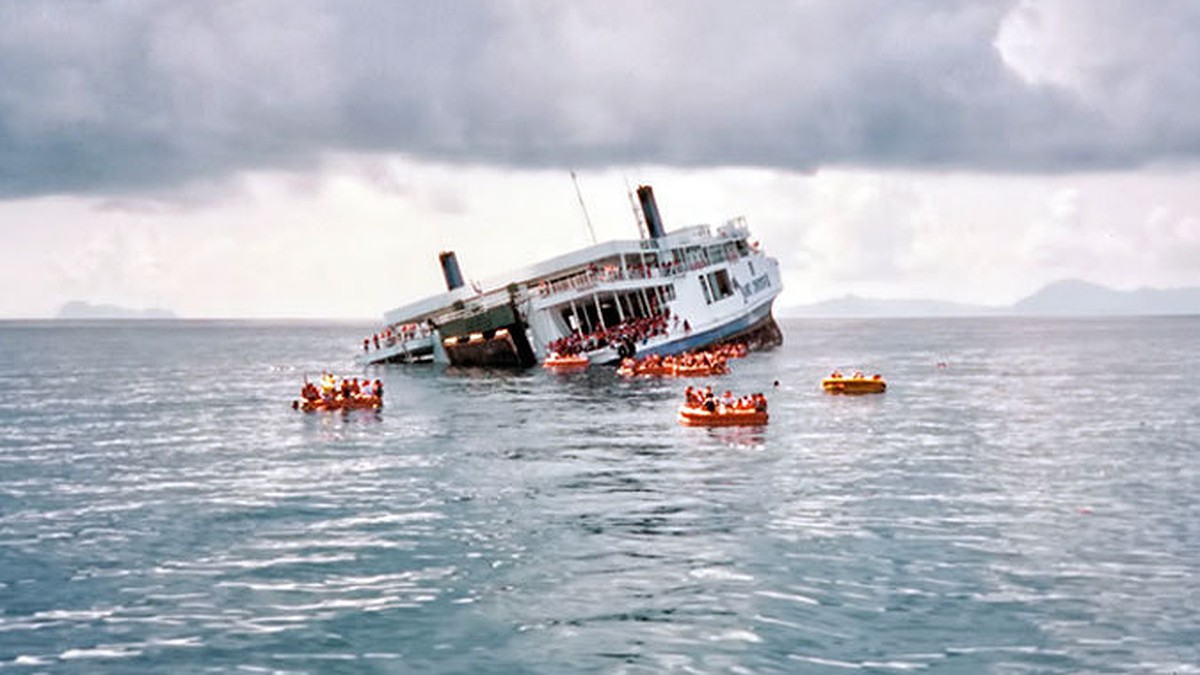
(480, 303)
(403, 335)
(578, 282)
(734, 228)
(592, 278)
(406, 344)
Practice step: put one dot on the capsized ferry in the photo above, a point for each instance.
(664, 293)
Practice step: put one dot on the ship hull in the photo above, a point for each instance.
(665, 294)
(757, 329)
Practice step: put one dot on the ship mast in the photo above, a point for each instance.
(637, 210)
(587, 219)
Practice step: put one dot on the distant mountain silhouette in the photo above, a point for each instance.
(853, 306)
(1069, 297)
(77, 309)
(1073, 297)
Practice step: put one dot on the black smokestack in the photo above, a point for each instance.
(450, 270)
(650, 209)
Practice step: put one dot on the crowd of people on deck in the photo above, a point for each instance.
(390, 335)
(704, 399)
(333, 392)
(628, 333)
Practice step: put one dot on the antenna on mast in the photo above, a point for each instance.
(637, 210)
(587, 219)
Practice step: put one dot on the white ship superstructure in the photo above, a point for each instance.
(666, 293)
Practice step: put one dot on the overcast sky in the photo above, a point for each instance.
(298, 158)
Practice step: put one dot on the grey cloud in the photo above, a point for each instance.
(134, 97)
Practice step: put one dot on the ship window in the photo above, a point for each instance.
(591, 320)
(668, 292)
(719, 284)
(750, 264)
(704, 287)
(609, 313)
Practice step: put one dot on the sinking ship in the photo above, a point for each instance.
(663, 293)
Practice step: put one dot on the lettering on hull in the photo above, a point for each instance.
(756, 286)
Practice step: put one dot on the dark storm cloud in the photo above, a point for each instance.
(134, 96)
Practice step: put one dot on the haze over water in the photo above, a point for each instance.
(1034, 506)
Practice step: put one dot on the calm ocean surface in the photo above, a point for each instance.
(1032, 507)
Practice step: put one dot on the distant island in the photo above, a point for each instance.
(77, 309)
(1080, 298)
(1069, 297)
(850, 306)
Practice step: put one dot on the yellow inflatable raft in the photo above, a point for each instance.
(857, 383)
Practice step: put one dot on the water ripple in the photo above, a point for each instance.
(1032, 507)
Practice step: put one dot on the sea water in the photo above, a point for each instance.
(1023, 498)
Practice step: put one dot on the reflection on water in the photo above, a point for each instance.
(1030, 505)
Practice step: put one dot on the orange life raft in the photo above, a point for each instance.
(723, 417)
(357, 403)
(566, 362)
(673, 370)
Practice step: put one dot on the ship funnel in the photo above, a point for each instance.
(450, 270)
(650, 208)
